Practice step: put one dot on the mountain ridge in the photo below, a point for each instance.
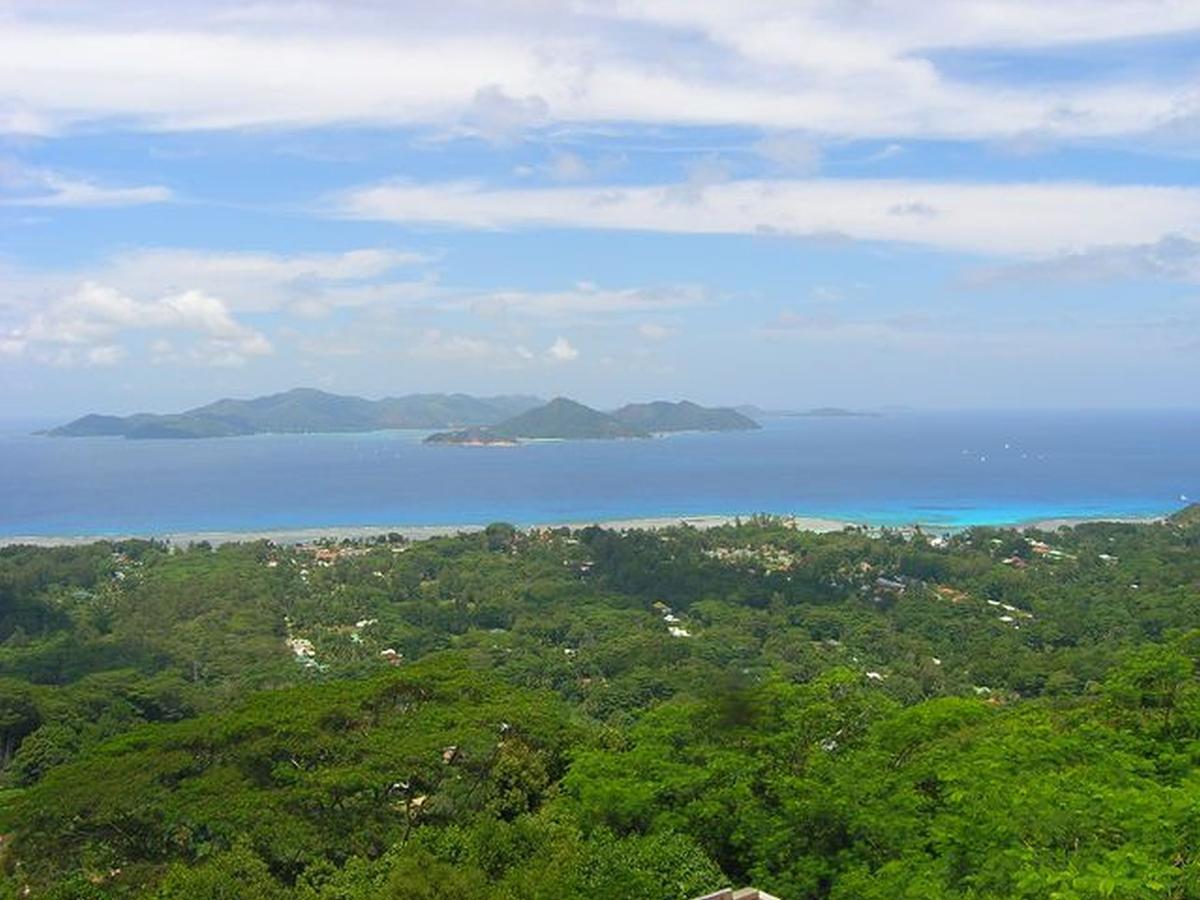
(566, 419)
(303, 410)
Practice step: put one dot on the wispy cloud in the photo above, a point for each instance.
(583, 300)
(1032, 218)
(22, 185)
(841, 70)
(1171, 258)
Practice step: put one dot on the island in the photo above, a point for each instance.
(820, 412)
(661, 417)
(456, 418)
(305, 411)
(566, 419)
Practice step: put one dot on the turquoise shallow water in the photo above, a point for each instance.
(944, 468)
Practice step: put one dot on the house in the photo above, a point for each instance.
(746, 893)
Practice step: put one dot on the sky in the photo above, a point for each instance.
(792, 203)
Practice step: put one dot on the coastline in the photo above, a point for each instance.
(411, 532)
(301, 535)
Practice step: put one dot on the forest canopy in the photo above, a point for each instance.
(555, 713)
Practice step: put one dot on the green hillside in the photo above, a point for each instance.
(1188, 516)
(595, 713)
(664, 416)
(567, 420)
(560, 419)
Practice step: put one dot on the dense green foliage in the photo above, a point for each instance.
(601, 714)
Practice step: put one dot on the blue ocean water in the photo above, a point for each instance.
(937, 468)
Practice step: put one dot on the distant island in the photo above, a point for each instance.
(305, 410)
(459, 418)
(565, 419)
(820, 412)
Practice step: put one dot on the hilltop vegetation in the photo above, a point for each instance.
(663, 416)
(594, 713)
(1189, 515)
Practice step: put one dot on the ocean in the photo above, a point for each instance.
(946, 468)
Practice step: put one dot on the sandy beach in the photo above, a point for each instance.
(800, 522)
(412, 532)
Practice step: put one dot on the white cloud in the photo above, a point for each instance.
(795, 153)
(1171, 258)
(566, 166)
(501, 119)
(562, 351)
(1032, 218)
(309, 284)
(106, 355)
(92, 315)
(585, 299)
(702, 174)
(652, 331)
(828, 68)
(11, 346)
(438, 345)
(22, 185)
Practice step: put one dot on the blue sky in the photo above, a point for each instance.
(968, 203)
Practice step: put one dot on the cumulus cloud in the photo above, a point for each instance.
(562, 351)
(501, 119)
(1023, 219)
(309, 284)
(90, 317)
